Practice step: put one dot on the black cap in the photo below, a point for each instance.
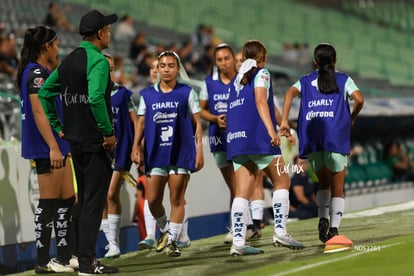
(93, 21)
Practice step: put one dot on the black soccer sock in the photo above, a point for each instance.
(257, 223)
(43, 221)
(62, 218)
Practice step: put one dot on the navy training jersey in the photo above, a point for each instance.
(218, 95)
(33, 144)
(246, 132)
(123, 126)
(324, 121)
(169, 133)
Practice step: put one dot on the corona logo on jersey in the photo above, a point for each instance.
(236, 135)
(325, 104)
(319, 114)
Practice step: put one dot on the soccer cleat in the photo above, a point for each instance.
(162, 242)
(172, 250)
(337, 243)
(43, 269)
(183, 244)
(333, 231)
(113, 251)
(53, 266)
(146, 244)
(251, 233)
(323, 227)
(74, 263)
(97, 269)
(58, 266)
(228, 239)
(287, 241)
(244, 250)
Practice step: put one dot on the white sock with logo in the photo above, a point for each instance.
(280, 203)
(239, 220)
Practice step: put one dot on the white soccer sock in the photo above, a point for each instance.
(239, 209)
(280, 203)
(163, 223)
(257, 207)
(150, 222)
(114, 224)
(323, 200)
(337, 209)
(184, 230)
(105, 228)
(175, 230)
(248, 214)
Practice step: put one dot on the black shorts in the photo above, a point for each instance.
(43, 165)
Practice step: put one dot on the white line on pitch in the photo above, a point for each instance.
(302, 268)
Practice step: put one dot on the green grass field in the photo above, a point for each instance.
(383, 245)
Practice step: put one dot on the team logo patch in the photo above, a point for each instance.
(38, 82)
(265, 77)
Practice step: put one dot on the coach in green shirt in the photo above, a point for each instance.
(83, 82)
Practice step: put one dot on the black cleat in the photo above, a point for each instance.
(323, 227)
(333, 231)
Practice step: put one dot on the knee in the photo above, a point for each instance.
(177, 201)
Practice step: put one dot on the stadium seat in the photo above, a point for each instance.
(355, 178)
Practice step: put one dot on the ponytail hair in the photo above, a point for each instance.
(34, 40)
(325, 58)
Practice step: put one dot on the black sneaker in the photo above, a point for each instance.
(333, 231)
(97, 268)
(323, 227)
(43, 269)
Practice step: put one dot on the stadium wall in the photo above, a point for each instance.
(208, 201)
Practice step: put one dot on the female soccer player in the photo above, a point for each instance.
(324, 130)
(213, 103)
(169, 119)
(48, 150)
(124, 117)
(253, 145)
